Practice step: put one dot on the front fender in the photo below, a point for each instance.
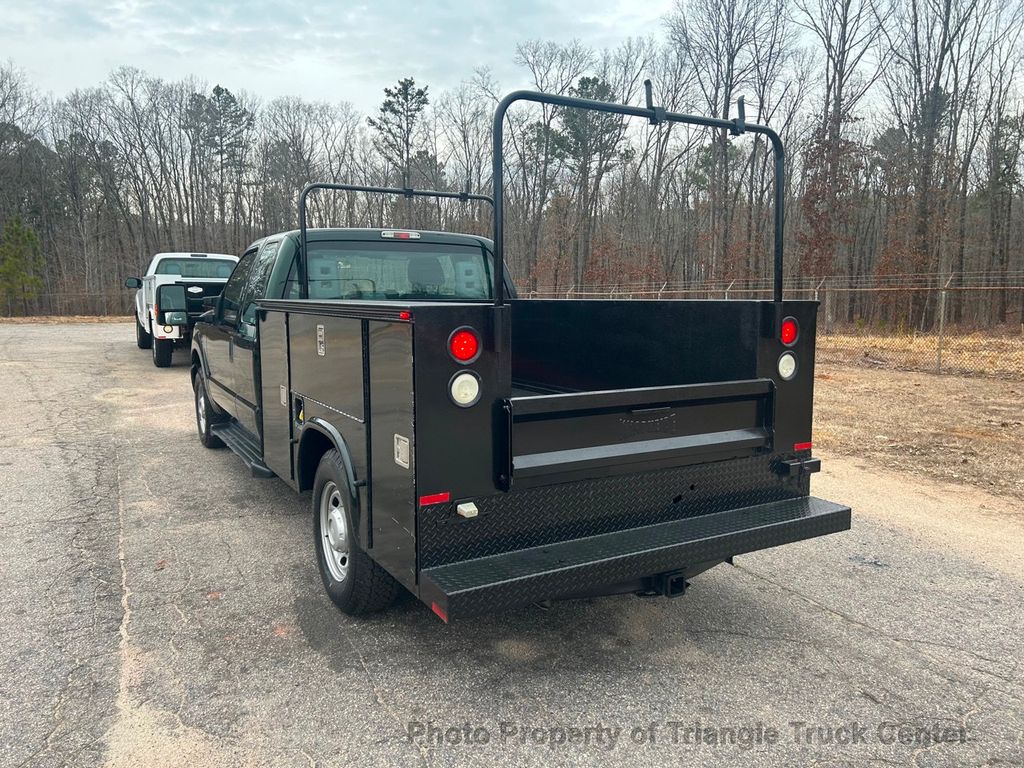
(198, 357)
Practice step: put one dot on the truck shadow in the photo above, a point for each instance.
(611, 635)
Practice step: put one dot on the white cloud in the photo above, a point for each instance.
(318, 50)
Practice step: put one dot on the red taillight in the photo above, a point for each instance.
(802, 446)
(789, 332)
(464, 345)
(405, 314)
(442, 614)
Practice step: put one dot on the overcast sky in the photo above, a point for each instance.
(329, 51)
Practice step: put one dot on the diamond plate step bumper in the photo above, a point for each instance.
(525, 576)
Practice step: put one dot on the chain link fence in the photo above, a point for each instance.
(962, 323)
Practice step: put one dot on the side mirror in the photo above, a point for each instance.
(211, 303)
(133, 282)
(172, 303)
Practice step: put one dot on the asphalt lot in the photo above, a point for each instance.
(159, 607)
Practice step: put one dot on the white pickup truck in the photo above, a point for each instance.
(170, 298)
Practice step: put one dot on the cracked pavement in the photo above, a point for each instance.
(160, 607)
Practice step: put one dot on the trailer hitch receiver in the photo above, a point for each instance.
(672, 584)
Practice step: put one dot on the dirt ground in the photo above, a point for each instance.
(962, 430)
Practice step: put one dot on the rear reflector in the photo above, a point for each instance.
(405, 314)
(400, 234)
(435, 498)
(440, 612)
(802, 446)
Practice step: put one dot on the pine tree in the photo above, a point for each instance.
(20, 263)
(396, 125)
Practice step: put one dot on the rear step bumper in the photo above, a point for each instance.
(525, 576)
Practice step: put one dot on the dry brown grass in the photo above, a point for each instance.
(959, 429)
(54, 319)
(974, 353)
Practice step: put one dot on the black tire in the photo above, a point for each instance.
(163, 351)
(205, 415)
(143, 339)
(366, 587)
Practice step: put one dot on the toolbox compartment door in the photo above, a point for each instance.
(562, 437)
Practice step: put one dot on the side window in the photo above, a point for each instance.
(235, 286)
(292, 290)
(258, 279)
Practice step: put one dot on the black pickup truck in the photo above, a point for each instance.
(485, 451)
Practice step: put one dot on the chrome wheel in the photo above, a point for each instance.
(334, 531)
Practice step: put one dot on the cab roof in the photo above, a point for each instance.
(366, 233)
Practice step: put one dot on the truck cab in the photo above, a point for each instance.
(363, 265)
(484, 451)
(170, 297)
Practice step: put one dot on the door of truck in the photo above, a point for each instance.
(245, 382)
(218, 340)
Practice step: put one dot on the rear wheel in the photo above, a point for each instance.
(143, 339)
(205, 416)
(163, 350)
(355, 583)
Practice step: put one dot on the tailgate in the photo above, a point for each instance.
(196, 292)
(554, 438)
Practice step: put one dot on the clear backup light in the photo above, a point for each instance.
(464, 389)
(787, 366)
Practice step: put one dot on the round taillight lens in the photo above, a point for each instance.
(790, 331)
(464, 345)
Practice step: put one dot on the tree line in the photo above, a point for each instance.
(903, 121)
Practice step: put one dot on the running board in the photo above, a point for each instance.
(245, 445)
(538, 573)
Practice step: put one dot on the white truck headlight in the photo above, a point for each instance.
(464, 389)
(787, 365)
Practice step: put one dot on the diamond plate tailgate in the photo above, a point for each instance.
(525, 576)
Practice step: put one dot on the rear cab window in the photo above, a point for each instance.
(381, 271)
(196, 268)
